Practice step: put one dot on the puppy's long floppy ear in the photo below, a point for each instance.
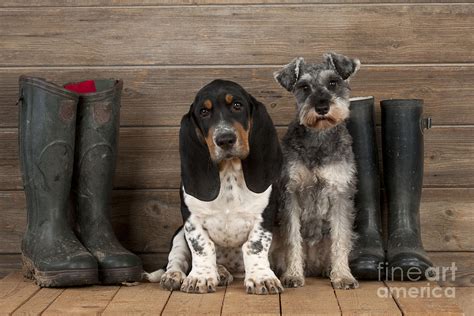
(344, 66)
(199, 174)
(262, 166)
(288, 75)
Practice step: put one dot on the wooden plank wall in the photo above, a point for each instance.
(166, 50)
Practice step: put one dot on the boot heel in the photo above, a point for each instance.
(27, 268)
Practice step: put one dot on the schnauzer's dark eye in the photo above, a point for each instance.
(332, 83)
(204, 112)
(304, 87)
(237, 107)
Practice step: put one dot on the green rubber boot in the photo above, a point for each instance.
(52, 255)
(402, 144)
(95, 160)
(367, 260)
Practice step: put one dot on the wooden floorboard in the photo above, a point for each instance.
(317, 297)
(238, 302)
(88, 300)
(181, 303)
(465, 299)
(423, 298)
(39, 302)
(14, 292)
(142, 299)
(22, 297)
(366, 301)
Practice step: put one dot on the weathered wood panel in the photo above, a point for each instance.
(235, 34)
(161, 95)
(149, 158)
(74, 3)
(145, 220)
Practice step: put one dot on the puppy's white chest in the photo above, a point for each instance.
(229, 218)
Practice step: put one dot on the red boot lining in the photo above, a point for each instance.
(87, 86)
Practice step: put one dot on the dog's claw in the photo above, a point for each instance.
(345, 283)
(269, 285)
(172, 280)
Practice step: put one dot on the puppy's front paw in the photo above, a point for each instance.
(263, 283)
(344, 283)
(225, 278)
(171, 280)
(292, 280)
(195, 283)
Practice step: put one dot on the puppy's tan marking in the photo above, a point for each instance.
(229, 98)
(243, 139)
(210, 143)
(207, 104)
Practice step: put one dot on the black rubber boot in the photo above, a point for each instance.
(367, 260)
(402, 144)
(95, 160)
(51, 253)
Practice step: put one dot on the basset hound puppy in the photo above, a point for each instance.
(230, 164)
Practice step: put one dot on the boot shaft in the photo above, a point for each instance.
(96, 154)
(47, 126)
(361, 126)
(402, 144)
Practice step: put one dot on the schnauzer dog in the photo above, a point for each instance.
(318, 179)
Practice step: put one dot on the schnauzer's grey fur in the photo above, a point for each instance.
(318, 180)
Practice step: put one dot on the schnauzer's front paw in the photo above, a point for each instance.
(292, 281)
(199, 283)
(344, 283)
(171, 280)
(225, 278)
(263, 284)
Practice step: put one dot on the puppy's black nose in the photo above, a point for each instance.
(322, 109)
(226, 140)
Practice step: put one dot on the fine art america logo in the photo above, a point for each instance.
(418, 290)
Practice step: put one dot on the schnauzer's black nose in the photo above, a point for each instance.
(226, 140)
(322, 109)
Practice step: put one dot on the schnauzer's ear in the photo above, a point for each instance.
(263, 164)
(344, 66)
(199, 174)
(288, 75)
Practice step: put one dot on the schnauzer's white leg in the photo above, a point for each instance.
(342, 214)
(294, 274)
(259, 278)
(203, 277)
(179, 261)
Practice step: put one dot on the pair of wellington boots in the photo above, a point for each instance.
(402, 151)
(68, 139)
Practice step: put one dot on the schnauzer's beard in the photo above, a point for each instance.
(338, 112)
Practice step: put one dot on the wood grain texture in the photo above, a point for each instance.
(423, 298)
(88, 300)
(39, 302)
(145, 220)
(142, 299)
(181, 303)
(238, 302)
(366, 301)
(160, 96)
(71, 3)
(465, 300)
(148, 158)
(463, 264)
(316, 298)
(14, 291)
(219, 35)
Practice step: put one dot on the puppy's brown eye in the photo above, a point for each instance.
(204, 112)
(237, 106)
(304, 87)
(332, 83)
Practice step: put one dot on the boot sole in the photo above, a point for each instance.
(121, 275)
(59, 278)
